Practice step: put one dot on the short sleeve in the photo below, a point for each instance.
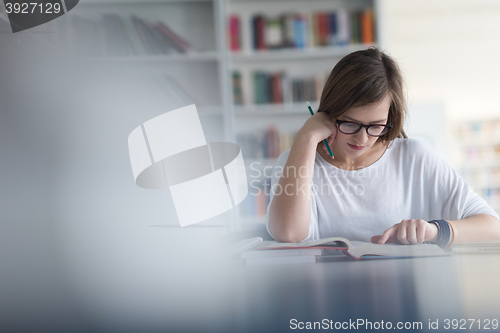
(448, 195)
(275, 177)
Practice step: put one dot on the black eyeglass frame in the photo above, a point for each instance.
(340, 122)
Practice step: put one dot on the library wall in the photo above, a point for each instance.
(448, 54)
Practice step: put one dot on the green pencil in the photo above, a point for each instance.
(324, 141)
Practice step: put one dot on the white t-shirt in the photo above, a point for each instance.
(409, 181)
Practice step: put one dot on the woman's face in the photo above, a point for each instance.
(355, 145)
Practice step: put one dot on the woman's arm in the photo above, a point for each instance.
(475, 228)
(290, 209)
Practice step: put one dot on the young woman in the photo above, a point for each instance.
(381, 186)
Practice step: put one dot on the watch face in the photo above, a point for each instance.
(26, 14)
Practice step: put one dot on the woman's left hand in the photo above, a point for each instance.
(408, 232)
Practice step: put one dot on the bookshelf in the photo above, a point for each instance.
(176, 48)
(479, 157)
(127, 37)
(287, 48)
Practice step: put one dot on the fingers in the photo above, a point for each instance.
(406, 232)
(387, 234)
(331, 138)
(421, 232)
(411, 234)
(402, 234)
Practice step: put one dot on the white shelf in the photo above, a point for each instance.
(296, 54)
(136, 2)
(484, 186)
(259, 110)
(159, 59)
(478, 143)
(481, 165)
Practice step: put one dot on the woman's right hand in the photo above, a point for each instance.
(319, 127)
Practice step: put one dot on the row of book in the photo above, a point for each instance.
(115, 35)
(475, 155)
(269, 143)
(275, 88)
(487, 131)
(301, 30)
(482, 177)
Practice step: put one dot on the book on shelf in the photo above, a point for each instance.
(173, 38)
(234, 33)
(314, 29)
(323, 28)
(366, 24)
(480, 157)
(478, 132)
(273, 35)
(259, 32)
(277, 87)
(299, 37)
(237, 88)
(265, 144)
(115, 35)
(355, 28)
(287, 23)
(361, 250)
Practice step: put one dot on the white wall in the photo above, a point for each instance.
(448, 50)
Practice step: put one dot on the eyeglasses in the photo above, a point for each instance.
(350, 127)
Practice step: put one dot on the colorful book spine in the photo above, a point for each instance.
(313, 29)
(288, 30)
(343, 27)
(237, 88)
(300, 31)
(333, 29)
(323, 28)
(273, 33)
(174, 38)
(355, 29)
(367, 34)
(269, 143)
(278, 88)
(234, 33)
(259, 32)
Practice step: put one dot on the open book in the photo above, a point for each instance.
(360, 250)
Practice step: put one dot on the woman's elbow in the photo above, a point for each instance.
(287, 234)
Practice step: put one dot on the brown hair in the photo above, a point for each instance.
(365, 77)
